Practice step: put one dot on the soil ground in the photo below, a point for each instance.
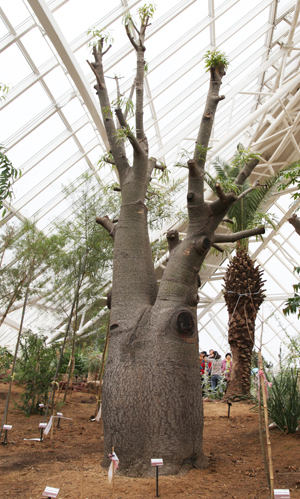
(235, 464)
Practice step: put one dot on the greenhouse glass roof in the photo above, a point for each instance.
(52, 129)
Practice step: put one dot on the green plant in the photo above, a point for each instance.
(218, 394)
(284, 400)
(215, 58)
(8, 174)
(81, 363)
(6, 359)
(94, 361)
(35, 371)
(292, 305)
(146, 12)
(98, 35)
(3, 90)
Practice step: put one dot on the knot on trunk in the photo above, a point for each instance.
(185, 323)
(173, 239)
(202, 244)
(108, 299)
(192, 298)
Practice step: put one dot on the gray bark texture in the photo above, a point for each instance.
(152, 402)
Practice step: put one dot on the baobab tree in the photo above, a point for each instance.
(152, 402)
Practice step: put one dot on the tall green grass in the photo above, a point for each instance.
(284, 400)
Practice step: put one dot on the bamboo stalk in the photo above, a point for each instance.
(260, 366)
(261, 436)
(113, 472)
(4, 421)
(82, 476)
(99, 398)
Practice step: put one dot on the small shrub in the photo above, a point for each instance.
(6, 359)
(284, 400)
(35, 371)
(81, 363)
(207, 389)
(95, 358)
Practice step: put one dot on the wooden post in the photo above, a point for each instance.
(260, 367)
(81, 476)
(261, 435)
(4, 421)
(113, 472)
(99, 398)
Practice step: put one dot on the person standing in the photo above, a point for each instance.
(226, 367)
(216, 372)
(202, 364)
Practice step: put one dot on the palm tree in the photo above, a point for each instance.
(243, 289)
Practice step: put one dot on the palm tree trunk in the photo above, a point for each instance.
(243, 296)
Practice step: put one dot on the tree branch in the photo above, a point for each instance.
(196, 180)
(131, 37)
(97, 76)
(159, 167)
(246, 172)
(227, 221)
(130, 97)
(221, 194)
(117, 149)
(232, 238)
(107, 224)
(243, 194)
(295, 222)
(217, 247)
(108, 48)
(110, 161)
(133, 140)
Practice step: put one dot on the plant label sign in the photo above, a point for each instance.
(281, 494)
(50, 492)
(157, 462)
(59, 414)
(7, 427)
(42, 425)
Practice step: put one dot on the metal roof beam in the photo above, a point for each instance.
(57, 38)
(26, 26)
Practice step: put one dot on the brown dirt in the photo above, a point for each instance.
(235, 469)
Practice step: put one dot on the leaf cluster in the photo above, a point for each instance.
(292, 305)
(103, 36)
(6, 359)
(250, 211)
(31, 256)
(214, 59)
(145, 13)
(291, 177)
(8, 175)
(3, 90)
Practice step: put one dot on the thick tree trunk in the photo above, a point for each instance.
(243, 296)
(152, 401)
